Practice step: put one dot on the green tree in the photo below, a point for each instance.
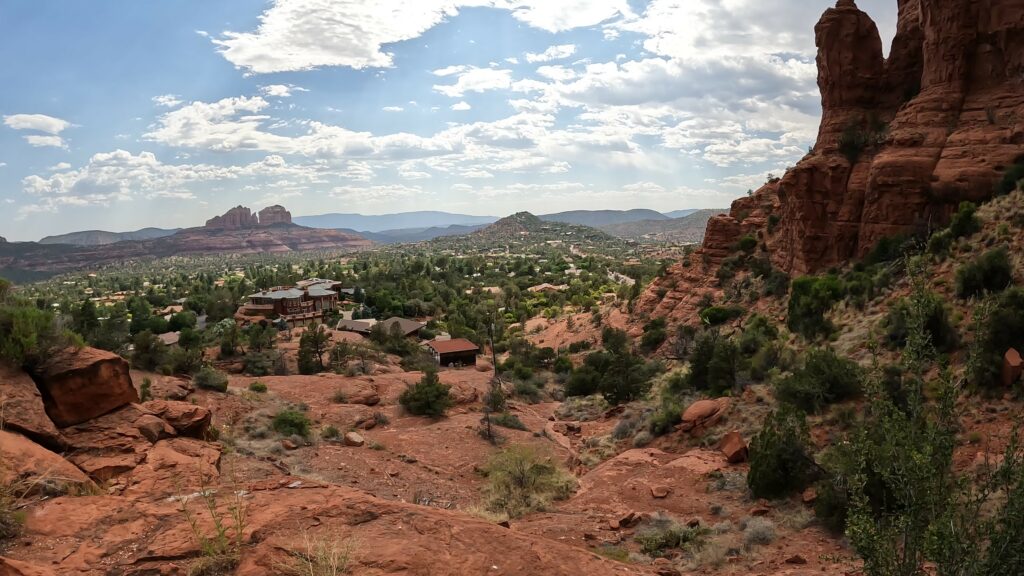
(428, 397)
(780, 461)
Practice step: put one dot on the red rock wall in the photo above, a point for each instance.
(275, 215)
(234, 219)
(945, 113)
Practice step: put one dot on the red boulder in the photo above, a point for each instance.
(81, 384)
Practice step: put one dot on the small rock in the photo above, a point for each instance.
(660, 491)
(734, 448)
(288, 444)
(810, 496)
(693, 523)
(760, 511)
(505, 524)
(353, 439)
(796, 559)
(614, 524)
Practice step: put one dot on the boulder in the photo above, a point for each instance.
(115, 443)
(79, 384)
(9, 567)
(36, 470)
(353, 439)
(1013, 366)
(186, 419)
(364, 396)
(734, 447)
(22, 409)
(702, 415)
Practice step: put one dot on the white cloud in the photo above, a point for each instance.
(37, 122)
(59, 167)
(3, 164)
(167, 100)
(553, 53)
(393, 109)
(304, 34)
(37, 141)
(513, 60)
(473, 79)
(280, 90)
(557, 73)
(461, 106)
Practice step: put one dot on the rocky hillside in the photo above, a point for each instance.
(239, 231)
(687, 229)
(902, 142)
(102, 237)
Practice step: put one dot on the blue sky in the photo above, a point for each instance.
(120, 114)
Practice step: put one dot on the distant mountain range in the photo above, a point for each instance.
(392, 222)
(409, 227)
(688, 229)
(100, 237)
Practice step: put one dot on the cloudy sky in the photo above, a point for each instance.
(119, 114)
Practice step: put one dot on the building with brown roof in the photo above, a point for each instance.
(454, 352)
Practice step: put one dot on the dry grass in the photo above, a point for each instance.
(520, 481)
(322, 555)
(221, 547)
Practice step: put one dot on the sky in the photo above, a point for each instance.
(120, 114)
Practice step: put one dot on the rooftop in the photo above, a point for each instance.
(454, 345)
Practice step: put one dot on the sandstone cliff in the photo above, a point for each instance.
(902, 141)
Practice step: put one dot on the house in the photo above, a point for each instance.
(358, 326)
(306, 302)
(406, 326)
(547, 288)
(455, 352)
(170, 338)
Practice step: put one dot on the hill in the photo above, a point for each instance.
(686, 230)
(239, 231)
(101, 237)
(391, 222)
(598, 218)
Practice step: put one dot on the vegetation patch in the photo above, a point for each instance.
(780, 461)
(662, 534)
(811, 298)
(989, 273)
(291, 423)
(428, 397)
(209, 378)
(520, 481)
(823, 379)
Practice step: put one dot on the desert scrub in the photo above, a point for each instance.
(520, 481)
(258, 387)
(11, 520)
(507, 420)
(991, 272)
(663, 533)
(780, 462)
(209, 378)
(758, 532)
(320, 555)
(291, 423)
(220, 550)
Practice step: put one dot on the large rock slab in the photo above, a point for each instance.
(79, 384)
(33, 469)
(186, 419)
(22, 409)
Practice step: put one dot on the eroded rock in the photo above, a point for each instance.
(79, 384)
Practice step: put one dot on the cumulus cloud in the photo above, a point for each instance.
(461, 106)
(280, 90)
(553, 53)
(472, 79)
(38, 141)
(305, 34)
(393, 109)
(167, 100)
(36, 122)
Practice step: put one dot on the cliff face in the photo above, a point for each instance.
(237, 218)
(275, 215)
(902, 141)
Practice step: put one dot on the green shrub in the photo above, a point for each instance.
(747, 244)
(291, 423)
(507, 420)
(428, 397)
(780, 462)
(209, 378)
(888, 249)
(655, 334)
(1000, 327)
(718, 315)
(937, 324)
(258, 387)
(330, 433)
(146, 390)
(11, 520)
(824, 379)
(811, 298)
(991, 272)
(1011, 179)
(712, 364)
(527, 391)
(662, 534)
(940, 243)
(965, 222)
(520, 481)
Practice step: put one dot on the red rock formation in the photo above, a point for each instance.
(237, 218)
(275, 215)
(21, 408)
(186, 419)
(936, 123)
(81, 384)
(35, 468)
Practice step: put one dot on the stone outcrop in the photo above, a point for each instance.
(275, 215)
(79, 384)
(235, 219)
(22, 410)
(34, 470)
(902, 142)
(186, 419)
(703, 414)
